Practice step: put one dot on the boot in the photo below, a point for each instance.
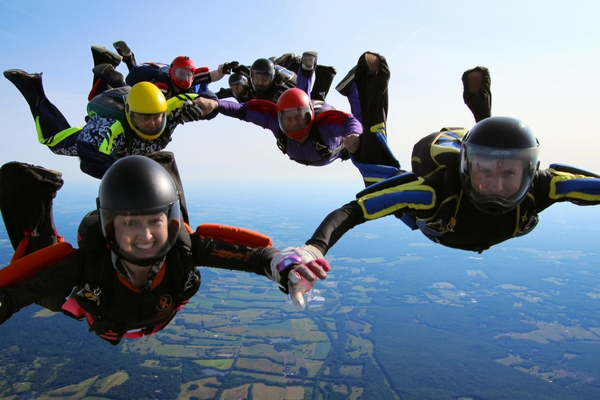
(102, 55)
(345, 85)
(108, 74)
(308, 62)
(125, 52)
(30, 86)
(477, 93)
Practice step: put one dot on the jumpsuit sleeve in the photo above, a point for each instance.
(233, 109)
(379, 200)
(561, 183)
(352, 125)
(54, 279)
(252, 113)
(214, 253)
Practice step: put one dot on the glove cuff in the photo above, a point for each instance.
(217, 74)
(316, 253)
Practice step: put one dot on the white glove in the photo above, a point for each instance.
(297, 269)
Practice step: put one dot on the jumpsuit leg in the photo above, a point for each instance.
(26, 196)
(323, 79)
(372, 76)
(50, 122)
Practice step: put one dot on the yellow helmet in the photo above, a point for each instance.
(146, 110)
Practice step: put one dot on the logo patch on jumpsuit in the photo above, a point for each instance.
(164, 303)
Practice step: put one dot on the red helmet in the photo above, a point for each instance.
(295, 113)
(182, 71)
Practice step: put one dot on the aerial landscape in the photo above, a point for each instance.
(405, 319)
(300, 122)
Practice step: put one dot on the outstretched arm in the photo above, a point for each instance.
(335, 225)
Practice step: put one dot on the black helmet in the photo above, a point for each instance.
(240, 84)
(262, 66)
(499, 157)
(137, 186)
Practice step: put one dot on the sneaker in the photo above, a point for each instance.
(308, 60)
(102, 55)
(344, 86)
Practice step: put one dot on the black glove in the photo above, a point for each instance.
(228, 66)
(191, 112)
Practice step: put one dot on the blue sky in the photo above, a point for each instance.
(543, 57)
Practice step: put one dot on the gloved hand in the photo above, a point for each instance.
(191, 112)
(297, 269)
(228, 66)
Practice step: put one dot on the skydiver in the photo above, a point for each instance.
(468, 190)
(310, 133)
(240, 86)
(180, 76)
(135, 266)
(268, 81)
(314, 133)
(121, 121)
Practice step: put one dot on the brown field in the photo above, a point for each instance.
(77, 391)
(116, 379)
(240, 392)
(219, 363)
(260, 391)
(272, 378)
(203, 392)
(258, 364)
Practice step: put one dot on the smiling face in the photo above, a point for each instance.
(496, 177)
(141, 236)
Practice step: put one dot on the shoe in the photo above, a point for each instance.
(372, 61)
(19, 74)
(283, 60)
(108, 74)
(477, 93)
(308, 60)
(48, 174)
(103, 55)
(476, 80)
(344, 86)
(122, 48)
